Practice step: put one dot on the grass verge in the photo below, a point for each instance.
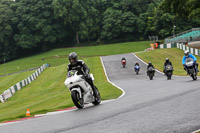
(8, 81)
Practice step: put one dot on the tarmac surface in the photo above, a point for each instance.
(148, 106)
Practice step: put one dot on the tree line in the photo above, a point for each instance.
(38, 25)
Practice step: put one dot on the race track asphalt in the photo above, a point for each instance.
(148, 106)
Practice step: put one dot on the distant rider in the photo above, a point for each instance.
(81, 67)
(167, 62)
(137, 64)
(188, 55)
(123, 59)
(149, 65)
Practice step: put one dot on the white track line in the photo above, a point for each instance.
(146, 63)
(123, 92)
(197, 131)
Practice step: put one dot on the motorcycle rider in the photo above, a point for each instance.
(149, 65)
(123, 58)
(188, 55)
(137, 64)
(81, 67)
(167, 62)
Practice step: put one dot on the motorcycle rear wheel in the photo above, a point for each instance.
(78, 102)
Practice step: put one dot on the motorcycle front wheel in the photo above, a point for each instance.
(78, 102)
(169, 75)
(194, 77)
(97, 96)
(151, 76)
(137, 72)
(193, 74)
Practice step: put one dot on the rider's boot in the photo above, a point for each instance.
(187, 72)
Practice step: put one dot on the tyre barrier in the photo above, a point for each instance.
(18, 86)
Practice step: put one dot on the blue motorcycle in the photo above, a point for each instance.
(137, 69)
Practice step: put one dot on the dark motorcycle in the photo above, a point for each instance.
(123, 63)
(191, 68)
(137, 69)
(169, 71)
(151, 72)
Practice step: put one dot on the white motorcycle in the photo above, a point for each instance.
(81, 91)
(192, 70)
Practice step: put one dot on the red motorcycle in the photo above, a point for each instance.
(123, 63)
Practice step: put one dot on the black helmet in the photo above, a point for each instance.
(73, 56)
(150, 63)
(167, 59)
(186, 53)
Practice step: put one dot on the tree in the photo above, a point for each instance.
(118, 24)
(8, 48)
(185, 14)
(73, 14)
(37, 25)
(182, 8)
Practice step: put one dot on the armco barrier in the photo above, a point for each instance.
(18, 86)
(180, 46)
(191, 50)
(168, 45)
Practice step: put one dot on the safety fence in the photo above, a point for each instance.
(191, 50)
(180, 46)
(13, 89)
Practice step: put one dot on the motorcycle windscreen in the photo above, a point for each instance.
(71, 73)
(189, 62)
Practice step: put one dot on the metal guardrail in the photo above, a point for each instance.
(18, 86)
